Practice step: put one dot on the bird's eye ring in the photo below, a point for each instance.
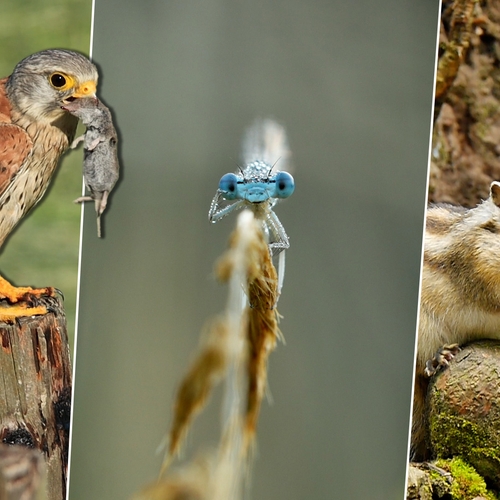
(60, 81)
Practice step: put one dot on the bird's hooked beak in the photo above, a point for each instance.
(86, 89)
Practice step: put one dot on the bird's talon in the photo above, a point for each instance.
(13, 314)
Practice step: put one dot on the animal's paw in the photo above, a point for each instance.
(442, 358)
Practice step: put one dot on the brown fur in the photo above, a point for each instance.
(460, 295)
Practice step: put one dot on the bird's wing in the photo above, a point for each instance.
(15, 143)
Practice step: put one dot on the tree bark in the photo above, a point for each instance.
(465, 155)
(35, 391)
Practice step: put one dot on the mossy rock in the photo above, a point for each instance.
(450, 479)
(464, 409)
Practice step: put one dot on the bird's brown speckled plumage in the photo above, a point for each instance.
(29, 153)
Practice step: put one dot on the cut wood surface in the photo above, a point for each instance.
(35, 390)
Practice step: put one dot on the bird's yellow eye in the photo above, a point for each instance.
(60, 81)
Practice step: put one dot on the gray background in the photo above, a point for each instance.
(352, 82)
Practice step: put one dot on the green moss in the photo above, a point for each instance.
(467, 483)
(440, 484)
(457, 437)
(486, 461)
(489, 109)
(452, 435)
(481, 129)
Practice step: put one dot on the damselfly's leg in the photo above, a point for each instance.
(279, 245)
(217, 212)
(281, 241)
(281, 271)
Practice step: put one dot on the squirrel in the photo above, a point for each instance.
(100, 157)
(460, 294)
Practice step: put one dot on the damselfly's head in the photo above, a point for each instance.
(256, 184)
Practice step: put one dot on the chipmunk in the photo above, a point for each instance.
(100, 159)
(460, 293)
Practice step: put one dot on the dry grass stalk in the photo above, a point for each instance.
(262, 335)
(262, 327)
(189, 483)
(235, 348)
(207, 369)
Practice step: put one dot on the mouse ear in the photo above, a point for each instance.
(495, 192)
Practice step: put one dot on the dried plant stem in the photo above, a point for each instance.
(262, 336)
(205, 372)
(234, 350)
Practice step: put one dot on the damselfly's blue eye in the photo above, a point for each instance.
(285, 185)
(229, 186)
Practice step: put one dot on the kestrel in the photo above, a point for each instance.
(34, 132)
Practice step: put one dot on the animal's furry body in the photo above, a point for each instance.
(460, 296)
(100, 160)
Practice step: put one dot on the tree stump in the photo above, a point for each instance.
(35, 390)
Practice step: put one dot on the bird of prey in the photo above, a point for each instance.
(34, 132)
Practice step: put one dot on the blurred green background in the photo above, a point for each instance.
(43, 250)
(352, 83)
